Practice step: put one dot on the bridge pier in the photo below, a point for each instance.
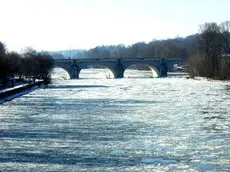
(119, 69)
(74, 74)
(163, 72)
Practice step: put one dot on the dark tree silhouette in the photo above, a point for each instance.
(211, 59)
(3, 67)
(29, 65)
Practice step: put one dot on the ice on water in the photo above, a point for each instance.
(129, 124)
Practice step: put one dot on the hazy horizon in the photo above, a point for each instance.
(56, 25)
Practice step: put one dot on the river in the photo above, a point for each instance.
(130, 124)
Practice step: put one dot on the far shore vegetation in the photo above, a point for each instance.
(24, 68)
(206, 53)
(212, 56)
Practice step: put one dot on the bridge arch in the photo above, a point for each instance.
(59, 72)
(96, 71)
(154, 70)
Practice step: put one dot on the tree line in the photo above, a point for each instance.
(170, 48)
(29, 65)
(212, 56)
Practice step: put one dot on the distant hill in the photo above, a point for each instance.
(168, 48)
(66, 53)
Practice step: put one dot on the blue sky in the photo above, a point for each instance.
(84, 24)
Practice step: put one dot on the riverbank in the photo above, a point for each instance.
(10, 93)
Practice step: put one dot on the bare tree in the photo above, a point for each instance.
(14, 62)
(3, 67)
(225, 29)
(210, 47)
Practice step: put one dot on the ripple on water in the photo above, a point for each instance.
(155, 124)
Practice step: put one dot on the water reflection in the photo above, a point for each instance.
(74, 86)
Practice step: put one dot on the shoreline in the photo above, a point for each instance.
(11, 93)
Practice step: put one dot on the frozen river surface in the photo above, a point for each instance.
(130, 124)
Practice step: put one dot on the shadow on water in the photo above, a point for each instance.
(227, 89)
(83, 159)
(94, 135)
(49, 102)
(75, 86)
(80, 130)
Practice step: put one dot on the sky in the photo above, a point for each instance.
(52, 25)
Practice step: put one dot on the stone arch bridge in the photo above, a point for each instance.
(116, 66)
